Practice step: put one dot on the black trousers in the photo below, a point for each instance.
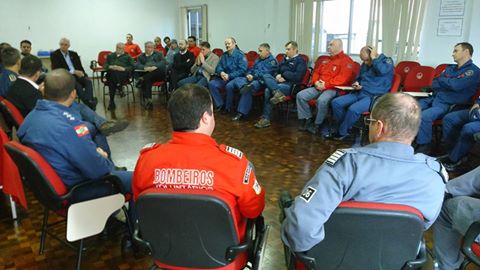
(149, 78)
(84, 87)
(114, 81)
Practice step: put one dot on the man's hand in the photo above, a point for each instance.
(373, 53)
(150, 69)
(41, 88)
(279, 78)
(224, 76)
(474, 107)
(356, 86)
(79, 73)
(102, 153)
(201, 58)
(319, 85)
(249, 77)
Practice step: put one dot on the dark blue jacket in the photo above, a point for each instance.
(376, 79)
(292, 69)
(456, 85)
(263, 66)
(234, 64)
(7, 78)
(62, 138)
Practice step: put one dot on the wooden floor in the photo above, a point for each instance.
(284, 159)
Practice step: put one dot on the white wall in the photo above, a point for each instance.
(250, 22)
(91, 25)
(435, 50)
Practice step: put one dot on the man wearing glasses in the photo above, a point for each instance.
(385, 171)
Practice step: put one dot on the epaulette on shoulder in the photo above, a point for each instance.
(335, 157)
(149, 146)
(234, 152)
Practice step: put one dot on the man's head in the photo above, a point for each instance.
(191, 109)
(335, 46)
(230, 44)
(31, 67)
(64, 45)
(291, 48)
(11, 58)
(205, 48)
(263, 50)
(462, 52)
(60, 86)
(25, 47)
(173, 44)
(167, 40)
(395, 117)
(3, 45)
(192, 41)
(158, 41)
(365, 53)
(120, 48)
(129, 38)
(149, 47)
(182, 45)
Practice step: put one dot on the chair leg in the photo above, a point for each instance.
(79, 258)
(464, 265)
(129, 224)
(44, 231)
(13, 208)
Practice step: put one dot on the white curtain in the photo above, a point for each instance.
(301, 25)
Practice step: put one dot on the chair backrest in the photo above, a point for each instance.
(13, 117)
(102, 57)
(418, 78)
(360, 235)
(395, 82)
(404, 67)
(251, 57)
(218, 52)
(305, 58)
(187, 230)
(439, 69)
(321, 59)
(280, 57)
(38, 175)
(9, 175)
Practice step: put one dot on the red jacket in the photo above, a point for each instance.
(194, 161)
(338, 70)
(195, 50)
(133, 50)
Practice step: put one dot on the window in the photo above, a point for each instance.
(195, 22)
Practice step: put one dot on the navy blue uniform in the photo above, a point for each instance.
(7, 78)
(454, 86)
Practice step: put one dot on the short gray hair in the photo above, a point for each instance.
(265, 45)
(400, 112)
(149, 43)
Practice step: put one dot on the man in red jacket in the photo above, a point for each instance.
(192, 46)
(192, 160)
(131, 48)
(337, 70)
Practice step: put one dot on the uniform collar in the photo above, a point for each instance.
(338, 55)
(34, 84)
(192, 138)
(394, 149)
(467, 64)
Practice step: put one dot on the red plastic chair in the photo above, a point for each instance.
(13, 117)
(280, 57)
(322, 59)
(251, 57)
(404, 67)
(295, 89)
(439, 69)
(470, 248)
(418, 78)
(97, 66)
(218, 52)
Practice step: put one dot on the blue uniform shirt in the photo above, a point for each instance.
(7, 78)
(456, 85)
(383, 172)
(376, 79)
(263, 66)
(63, 139)
(234, 64)
(292, 69)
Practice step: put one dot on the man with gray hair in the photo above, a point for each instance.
(172, 50)
(119, 66)
(385, 171)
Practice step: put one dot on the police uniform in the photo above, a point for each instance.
(383, 172)
(457, 214)
(7, 78)
(375, 80)
(235, 65)
(193, 161)
(292, 70)
(338, 70)
(456, 85)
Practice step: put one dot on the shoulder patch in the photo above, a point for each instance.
(12, 77)
(308, 194)
(232, 151)
(81, 130)
(332, 159)
(248, 171)
(273, 63)
(256, 187)
(389, 60)
(469, 73)
(349, 66)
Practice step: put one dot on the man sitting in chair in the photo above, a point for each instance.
(386, 171)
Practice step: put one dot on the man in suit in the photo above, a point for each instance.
(182, 62)
(69, 60)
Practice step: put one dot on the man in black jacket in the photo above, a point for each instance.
(69, 60)
(182, 62)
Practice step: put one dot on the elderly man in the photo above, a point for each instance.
(182, 62)
(456, 85)
(119, 66)
(69, 60)
(337, 71)
(386, 171)
(204, 67)
(153, 66)
(375, 79)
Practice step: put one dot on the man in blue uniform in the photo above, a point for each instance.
(290, 71)
(456, 85)
(375, 79)
(460, 209)
(66, 143)
(248, 85)
(233, 64)
(8, 75)
(386, 171)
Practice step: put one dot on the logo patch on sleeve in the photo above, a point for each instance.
(307, 195)
(248, 171)
(82, 130)
(257, 187)
(331, 160)
(12, 77)
(469, 73)
(233, 151)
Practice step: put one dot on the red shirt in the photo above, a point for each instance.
(193, 161)
(336, 71)
(133, 50)
(195, 50)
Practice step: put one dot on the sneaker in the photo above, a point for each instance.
(305, 124)
(111, 106)
(237, 117)
(262, 123)
(277, 98)
(245, 89)
(451, 166)
(112, 126)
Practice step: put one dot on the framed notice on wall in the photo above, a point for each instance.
(450, 27)
(452, 8)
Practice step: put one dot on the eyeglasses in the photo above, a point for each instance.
(367, 121)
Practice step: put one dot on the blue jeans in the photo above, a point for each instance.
(194, 79)
(246, 100)
(458, 132)
(348, 108)
(430, 113)
(88, 114)
(215, 86)
(323, 102)
(271, 85)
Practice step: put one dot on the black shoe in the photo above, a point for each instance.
(121, 168)
(112, 126)
(305, 124)
(338, 137)
(111, 106)
(451, 166)
(246, 88)
(225, 111)
(237, 117)
(218, 109)
(313, 129)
